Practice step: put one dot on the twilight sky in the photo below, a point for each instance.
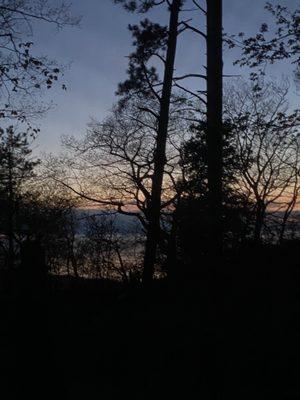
(97, 54)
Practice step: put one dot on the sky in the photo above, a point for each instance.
(95, 56)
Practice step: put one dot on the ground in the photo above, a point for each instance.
(232, 337)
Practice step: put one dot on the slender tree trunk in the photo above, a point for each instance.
(74, 264)
(286, 217)
(214, 123)
(10, 227)
(172, 261)
(160, 152)
(68, 265)
(259, 220)
(283, 228)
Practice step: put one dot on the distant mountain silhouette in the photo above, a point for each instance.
(125, 224)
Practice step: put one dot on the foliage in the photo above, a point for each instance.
(141, 6)
(271, 45)
(149, 39)
(16, 163)
(267, 145)
(16, 169)
(192, 211)
(22, 73)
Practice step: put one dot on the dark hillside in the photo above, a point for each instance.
(235, 336)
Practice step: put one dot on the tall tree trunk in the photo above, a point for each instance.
(259, 220)
(214, 123)
(287, 215)
(160, 152)
(10, 225)
(172, 261)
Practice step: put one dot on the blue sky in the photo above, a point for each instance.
(97, 54)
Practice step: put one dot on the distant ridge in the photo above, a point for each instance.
(125, 224)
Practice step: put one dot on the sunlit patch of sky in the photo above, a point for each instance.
(96, 54)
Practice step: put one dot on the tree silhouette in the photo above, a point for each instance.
(16, 168)
(22, 73)
(150, 40)
(192, 212)
(214, 122)
(113, 164)
(267, 147)
(279, 41)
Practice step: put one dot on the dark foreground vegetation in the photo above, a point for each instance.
(225, 332)
(202, 299)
